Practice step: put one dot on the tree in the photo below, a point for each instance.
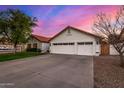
(4, 24)
(16, 26)
(112, 30)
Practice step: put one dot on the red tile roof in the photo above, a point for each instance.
(82, 31)
(41, 38)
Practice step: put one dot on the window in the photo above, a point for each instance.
(64, 43)
(28, 46)
(88, 43)
(85, 43)
(69, 32)
(80, 43)
(54, 43)
(35, 45)
(97, 42)
(59, 43)
(71, 43)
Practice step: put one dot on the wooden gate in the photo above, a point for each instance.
(104, 48)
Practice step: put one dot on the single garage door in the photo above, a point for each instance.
(63, 48)
(85, 48)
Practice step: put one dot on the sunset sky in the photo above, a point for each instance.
(52, 19)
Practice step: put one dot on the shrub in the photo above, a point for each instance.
(33, 50)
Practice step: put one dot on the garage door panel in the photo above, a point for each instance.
(85, 50)
(63, 49)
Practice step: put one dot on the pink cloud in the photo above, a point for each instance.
(81, 17)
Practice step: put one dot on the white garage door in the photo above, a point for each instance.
(63, 48)
(85, 48)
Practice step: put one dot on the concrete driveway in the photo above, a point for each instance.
(48, 71)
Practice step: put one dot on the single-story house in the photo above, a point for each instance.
(113, 51)
(68, 41)
(108, 49)
(8, 47)
(35, 41)
(75, 41)
(39, 42)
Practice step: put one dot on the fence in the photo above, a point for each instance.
(10, 48)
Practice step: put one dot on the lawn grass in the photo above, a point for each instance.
(6, 57)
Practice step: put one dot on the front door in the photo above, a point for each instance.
(104, 48)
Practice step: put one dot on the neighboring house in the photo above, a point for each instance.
(8, 47)
(108, 49)
(75, 41)
(113, 51)
(39, 42)
(34, 42)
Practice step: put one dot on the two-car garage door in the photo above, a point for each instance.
(79, 48)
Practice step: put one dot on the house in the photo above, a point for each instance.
(7, 47)
(35, 41)
(39, 42)
(107, 48)
(75, 41)
(113, 51)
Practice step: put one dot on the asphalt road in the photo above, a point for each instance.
(48, 71)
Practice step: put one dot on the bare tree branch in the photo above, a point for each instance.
(111, 30)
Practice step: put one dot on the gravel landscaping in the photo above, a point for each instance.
(108, 73)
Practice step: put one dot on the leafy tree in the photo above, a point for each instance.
(4, 24)
(16, 26)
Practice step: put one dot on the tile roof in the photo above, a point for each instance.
(41, 38)
(82, 31)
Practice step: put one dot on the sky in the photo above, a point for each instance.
(53, 18)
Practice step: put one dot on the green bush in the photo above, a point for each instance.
(33, 50)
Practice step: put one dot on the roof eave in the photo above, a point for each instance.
(75, 29)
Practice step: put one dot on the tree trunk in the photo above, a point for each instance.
(14, 48)
(121, 60)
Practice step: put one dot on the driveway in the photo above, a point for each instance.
(48, 71)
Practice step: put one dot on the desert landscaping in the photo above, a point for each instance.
(107, 72)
